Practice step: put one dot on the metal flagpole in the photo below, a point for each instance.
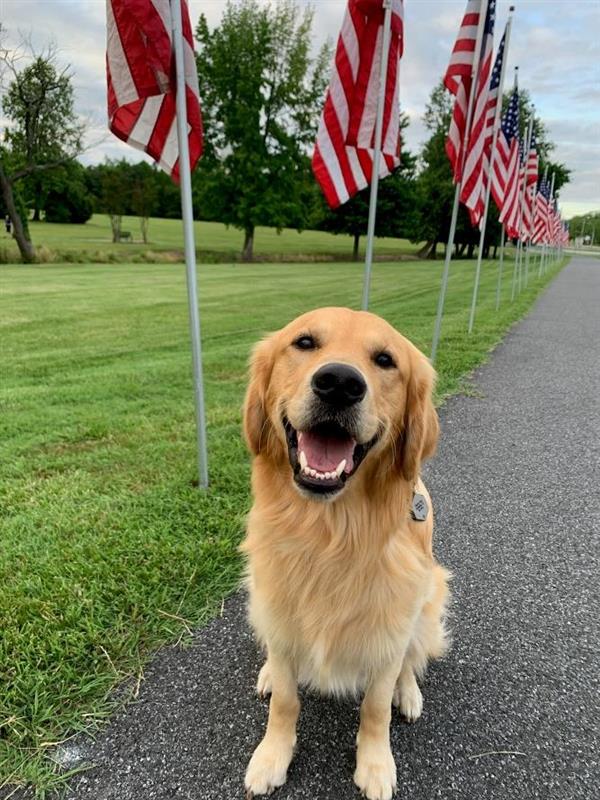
(490, 170)
(533, 205)
(503, 235)
(385, 51)
(515, 272)
(543, 183)
(550, 246)
(522, 203)
(474, 75)
(500, 265)
(189, 244)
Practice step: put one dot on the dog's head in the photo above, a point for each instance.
(335, 389)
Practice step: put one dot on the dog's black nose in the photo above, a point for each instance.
(339, 385)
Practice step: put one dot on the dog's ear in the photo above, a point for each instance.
(421, 427)
(256, 423)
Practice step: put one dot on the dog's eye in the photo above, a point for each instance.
(305, 343)
(384, 360)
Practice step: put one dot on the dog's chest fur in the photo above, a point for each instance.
(340, 603)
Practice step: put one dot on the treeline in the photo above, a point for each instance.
(262, 90)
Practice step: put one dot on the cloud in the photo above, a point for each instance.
(555, 44)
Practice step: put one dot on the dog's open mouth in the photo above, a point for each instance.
(324, 457)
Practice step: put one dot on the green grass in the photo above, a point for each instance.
(107, 550)
(214, 240)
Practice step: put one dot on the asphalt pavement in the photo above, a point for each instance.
(513, 711)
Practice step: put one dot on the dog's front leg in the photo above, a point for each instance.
(268, 766)
(375, 773)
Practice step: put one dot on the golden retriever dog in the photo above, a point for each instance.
(344, 590)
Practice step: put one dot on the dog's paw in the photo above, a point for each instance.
(375, 775)
(263, 684)
(267, 769)
(408, 699)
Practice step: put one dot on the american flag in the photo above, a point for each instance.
(477, 159)
(531, 172)
(508, 130)
(141, 80)
(540, 221)
(531, 178)
(343, 157)
(510, 201)
(554, 222)
(514, 222)
(458, 80)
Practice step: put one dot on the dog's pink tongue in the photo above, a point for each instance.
(324, 453)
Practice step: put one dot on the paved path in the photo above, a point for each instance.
(516, 487)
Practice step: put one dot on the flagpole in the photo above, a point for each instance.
(448, 256)
(500, 265)
(544, 183)
(490, 169)
(189, 244)
(522, 203)
(503, 235)
(549, 233)
(533, 204)
(385, 51)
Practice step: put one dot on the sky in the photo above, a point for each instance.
(555, 43)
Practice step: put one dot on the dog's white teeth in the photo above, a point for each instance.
(313, 472)
(340, 468)
(306, 471)
(303, 460)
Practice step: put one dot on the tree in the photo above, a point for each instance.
(67, 199)
(115, 193)
(44, 131)
(144, 194)
(435, 188)
(586, 225)
(261, 98)
(395, 205)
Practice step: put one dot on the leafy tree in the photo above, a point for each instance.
(144, 194)
(43, 133)
(67, 197)
(586, 225)
(435, 188)
(115, 193)
(261, 98)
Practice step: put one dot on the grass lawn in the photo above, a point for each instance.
(212, 238)
(106, 548)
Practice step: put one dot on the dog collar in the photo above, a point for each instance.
(420, 508)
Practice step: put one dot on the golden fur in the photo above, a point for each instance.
(345, 593)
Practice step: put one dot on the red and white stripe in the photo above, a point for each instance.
(528, 212)
(540, 219)
(500, 170)
(531, 179)
(343, 157)
(458, 80)
(511, 207)
(140, 65)
(477, 156)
